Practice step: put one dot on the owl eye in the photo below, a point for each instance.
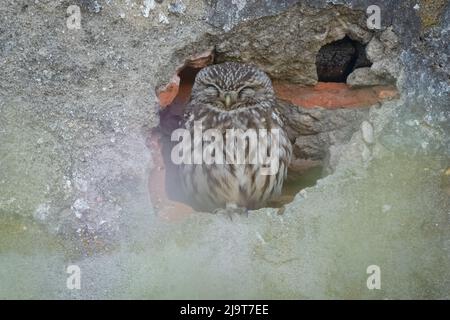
(212, 89)
(246, 92)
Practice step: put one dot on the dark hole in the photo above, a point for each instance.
(336, 60)
(170, 118)
(294, 183)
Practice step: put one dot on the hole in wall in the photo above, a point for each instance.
(336, 60)
(170, 118)
(299, 176)
(312, 105)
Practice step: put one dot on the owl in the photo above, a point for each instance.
(233, 96)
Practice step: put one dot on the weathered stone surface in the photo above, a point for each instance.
(314, 130)
(75, 109)
(422, 124)
(286, 45)
(375, 50)
(363, 77)
(367, 132)
(225, 15)
(177, 7)
(383, 51)
(84, 100)
(430, 11)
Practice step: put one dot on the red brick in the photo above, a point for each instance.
(165, 208)
(333, 95)
(168, 93)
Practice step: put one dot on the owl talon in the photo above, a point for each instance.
(233, 213)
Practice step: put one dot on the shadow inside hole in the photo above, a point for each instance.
(336, 60)
(170, 120)
(294, 183)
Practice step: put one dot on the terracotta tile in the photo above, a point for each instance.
(333, 95)
(165, 208)
(168, 93)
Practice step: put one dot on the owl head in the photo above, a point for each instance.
(230, 85)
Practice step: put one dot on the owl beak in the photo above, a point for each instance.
(227, 100)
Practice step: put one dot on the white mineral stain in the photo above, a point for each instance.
(148, 6)
(163, 18)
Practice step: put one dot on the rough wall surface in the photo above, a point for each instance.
(75, 108)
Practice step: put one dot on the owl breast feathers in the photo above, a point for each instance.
(234, 96)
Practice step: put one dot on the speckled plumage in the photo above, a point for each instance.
(218, 185)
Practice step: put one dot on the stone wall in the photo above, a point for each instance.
(76, 108)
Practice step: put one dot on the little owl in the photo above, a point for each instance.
(233, 96)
